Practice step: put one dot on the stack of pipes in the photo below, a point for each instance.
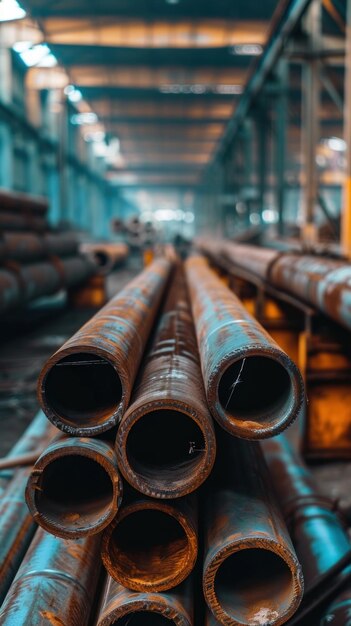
(34, 261)
(134, 476)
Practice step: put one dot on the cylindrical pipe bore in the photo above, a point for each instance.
(166, 443)
(251, 573)
(151, 545)
(85, 387)
(74, 488)
(55, 585)
(254, 390)
(120, 606)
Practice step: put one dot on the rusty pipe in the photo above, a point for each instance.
(318, 535)
(166, 444)
(36, 436)
(151, 545)
(251, 573)
(146, 609)
(19, 461)
(28, 247)
(107, 256)
(55, 585)
(254, 390)
(320, 281)
(20, 284)
(23, 203)
(85, 387)
(74, 488)
(16, 524)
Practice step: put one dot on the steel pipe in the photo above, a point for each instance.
(251, 573)
(22, 284)
(320, 281)
(23, 203)
(254, 390)
(16, 524)
(74, 488)
(36, 436)
(107, 256)
(166, 444)
(318, 535)
(151, 545)
(85, 387)
(119, 605)
(29, 247)
(339, 611)
(55, 585)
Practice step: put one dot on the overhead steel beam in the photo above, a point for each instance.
(285, 19)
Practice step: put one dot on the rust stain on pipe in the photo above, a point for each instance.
(166, 443)
(251, 573)
(318, 535)
(151, 545)
(254, 390)
(74, 488)
(85, 387)
(119, 605)
(55, 585)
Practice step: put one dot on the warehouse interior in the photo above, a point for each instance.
(175, 313)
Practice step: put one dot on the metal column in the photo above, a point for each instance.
(346, 208)
(310, 117)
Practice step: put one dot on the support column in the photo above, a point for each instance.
(310, 121)
(346, 205)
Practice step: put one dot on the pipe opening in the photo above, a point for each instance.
(101, 258)
(165, 445)
(254, 586)
(83, 389)
(76, 491)
(142, 618)
(256, 388)
(148, 546)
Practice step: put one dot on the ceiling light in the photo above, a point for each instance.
(84, 118)
(38, 55)
(73, 94)
(11, 10)
(247, 49)
(335, 143)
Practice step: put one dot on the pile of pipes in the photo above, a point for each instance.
(321, 281)
(137, 234)
(35, 261)
(180, 510)
(106, 255)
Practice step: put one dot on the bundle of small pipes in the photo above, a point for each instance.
(35, 261)
(107, 255)
(133, 476)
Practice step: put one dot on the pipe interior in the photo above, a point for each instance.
(76, 491)
(148, 546)
(254, 586)
(257, 388)
(101, 257)
(165, 445)
(83, 389)
(142, 618)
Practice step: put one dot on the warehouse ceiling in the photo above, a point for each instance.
(162, 75)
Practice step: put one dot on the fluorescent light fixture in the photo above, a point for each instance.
(229, 89)
(198, 89)
(270, 216)
(11, 10)
(73, 94)
(247, 49)
(80, 119)
(38, 55)
(335, 143)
